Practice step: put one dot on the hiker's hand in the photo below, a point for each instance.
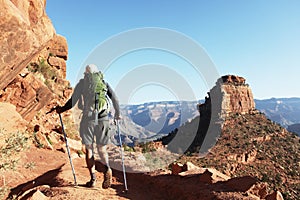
(59, 109)
(116, 119)
(50, 111)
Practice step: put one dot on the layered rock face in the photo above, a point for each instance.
(27, 94)
(237, 96)
(33, 57)
(25, 29)
(230, 95)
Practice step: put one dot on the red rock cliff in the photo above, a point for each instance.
(25, 29)
(33, 57)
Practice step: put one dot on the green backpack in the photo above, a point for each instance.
(95, 90)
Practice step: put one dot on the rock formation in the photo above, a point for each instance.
(25, 30)
(28, 94)
(33, 57)
(230, 95)
(33, 69)
(237, 96)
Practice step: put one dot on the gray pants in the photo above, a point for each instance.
(88, 131)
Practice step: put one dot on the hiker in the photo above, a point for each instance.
(94, 124)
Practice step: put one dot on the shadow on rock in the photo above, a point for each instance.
(49, 178)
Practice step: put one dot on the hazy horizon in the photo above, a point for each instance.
(202, 100)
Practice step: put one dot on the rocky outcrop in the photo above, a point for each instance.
(237, 96)
(25, 29)
(38, 83)
(33, 70)
(230, 95)
(11, 122)
(28, 94)
(244, 158)
(33, 57)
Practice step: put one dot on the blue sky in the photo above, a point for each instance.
(259, 40)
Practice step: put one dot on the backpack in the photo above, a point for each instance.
(94, 93)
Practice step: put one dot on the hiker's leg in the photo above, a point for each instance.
(102, 151)
(108, 172)
(102, 139)
(87, 138)
(90, 160)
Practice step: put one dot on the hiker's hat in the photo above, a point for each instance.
(91, 68)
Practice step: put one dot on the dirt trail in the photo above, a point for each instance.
(40, 168)
(50, 172)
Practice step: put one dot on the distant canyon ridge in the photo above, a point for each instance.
(165, 116)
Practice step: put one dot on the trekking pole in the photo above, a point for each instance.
(68, 150)
(122, 157)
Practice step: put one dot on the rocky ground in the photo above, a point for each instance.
(46, 174)
(251, 144)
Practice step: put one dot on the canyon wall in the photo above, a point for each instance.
(32, 57)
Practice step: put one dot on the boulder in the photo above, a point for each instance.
(243, 184)
(275, 196)
(38, 195)
(28, 94)
(75, 144)
(11, 120)
(59, 47)
(176, 168)
(259, 189)
(188, 166)
(212, 176)
(34, 193)
(207, 177)
(184, 169)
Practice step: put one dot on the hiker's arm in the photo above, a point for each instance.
(73, 100)
(112, 95)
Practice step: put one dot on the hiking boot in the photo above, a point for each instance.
(91, 183)
(107, 179)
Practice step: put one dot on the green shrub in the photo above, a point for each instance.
(128, 148)
(146, 147)
(42, 67)
(15, 143)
